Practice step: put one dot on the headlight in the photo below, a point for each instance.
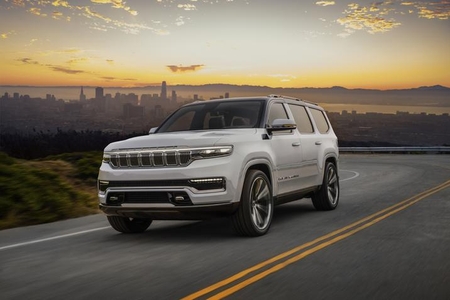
(106, 158)
(211, 152)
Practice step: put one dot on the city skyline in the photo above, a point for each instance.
(356, 44)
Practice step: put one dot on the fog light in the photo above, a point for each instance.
(179, 198)
(116, 199)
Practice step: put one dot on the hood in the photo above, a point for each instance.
(179, 139)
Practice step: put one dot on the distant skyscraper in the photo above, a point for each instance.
(98, 93)
(164, 91)
(82, 95)
(174, 97)
(227, 95)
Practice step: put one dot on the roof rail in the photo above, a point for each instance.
(292, 98)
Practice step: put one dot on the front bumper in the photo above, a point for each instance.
(166, 212)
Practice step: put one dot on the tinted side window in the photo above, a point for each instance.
(320, 120)
(277, 111)
(301, 118)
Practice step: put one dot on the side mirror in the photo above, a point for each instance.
(152, 130)
(282, 124)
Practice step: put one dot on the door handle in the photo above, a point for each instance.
(296, 144)
(318, 143)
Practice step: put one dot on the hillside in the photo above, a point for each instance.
(47, 190)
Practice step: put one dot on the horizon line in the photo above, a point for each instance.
(224, 84)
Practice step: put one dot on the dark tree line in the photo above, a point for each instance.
(39, 145)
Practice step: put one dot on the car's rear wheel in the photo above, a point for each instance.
(327, 197)
(129, 225)
(254, 215)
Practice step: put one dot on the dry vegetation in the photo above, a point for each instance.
(47, 190)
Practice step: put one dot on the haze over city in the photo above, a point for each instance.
(356, 44)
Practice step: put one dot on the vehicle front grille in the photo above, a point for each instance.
(151, 159)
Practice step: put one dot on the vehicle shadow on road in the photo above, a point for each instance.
(211, 230)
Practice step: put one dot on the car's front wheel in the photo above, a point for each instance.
(254, 216)
(327, 197)
(129, 225)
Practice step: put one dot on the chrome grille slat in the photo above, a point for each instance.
(156, 158)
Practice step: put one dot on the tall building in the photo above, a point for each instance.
(164, 91)
(98, 93)
(174, 97)
(82, 95)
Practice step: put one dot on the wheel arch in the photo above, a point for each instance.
(264, 166)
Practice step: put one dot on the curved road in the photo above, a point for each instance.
(388, 239)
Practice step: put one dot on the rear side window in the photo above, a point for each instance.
(301, 118)
(320, 120)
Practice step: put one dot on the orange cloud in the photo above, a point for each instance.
(434, 10)
(28, 61)
(65, 70)
(370, 19)
(75, 61)
(180, 68)
(116, 4)
(36, 11)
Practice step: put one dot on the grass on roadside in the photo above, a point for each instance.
(47, 190)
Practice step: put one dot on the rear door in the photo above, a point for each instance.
(309, 144)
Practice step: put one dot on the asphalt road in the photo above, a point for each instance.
(389, 238)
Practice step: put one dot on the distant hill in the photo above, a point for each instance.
(427, 95)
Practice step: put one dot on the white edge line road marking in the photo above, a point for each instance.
(52, 238)
(353, 177)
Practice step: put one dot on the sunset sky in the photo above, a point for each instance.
(278, 43)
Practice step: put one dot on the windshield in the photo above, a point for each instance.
(215, 115)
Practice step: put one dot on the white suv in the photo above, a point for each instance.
(233, 157)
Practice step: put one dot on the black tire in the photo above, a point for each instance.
(327, 197)
(129, 225)
(254, 215)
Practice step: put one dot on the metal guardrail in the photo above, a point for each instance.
(434, 150)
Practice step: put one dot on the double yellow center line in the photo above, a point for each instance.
(246, 277)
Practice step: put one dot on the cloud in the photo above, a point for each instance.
(7, 34)
(283, 77)
(325, 3)
(18, 3)
(99, 21)
(116, 4)
(110, 61)
(78, 60)
(37, 11)
(370, 19)
(65, 70)
(429, 10)
(187, 6)
(110, 78)
(61, 3)
(434, 10)
(179, 21)
(28, 61)
(57, 15)
(180, 68)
